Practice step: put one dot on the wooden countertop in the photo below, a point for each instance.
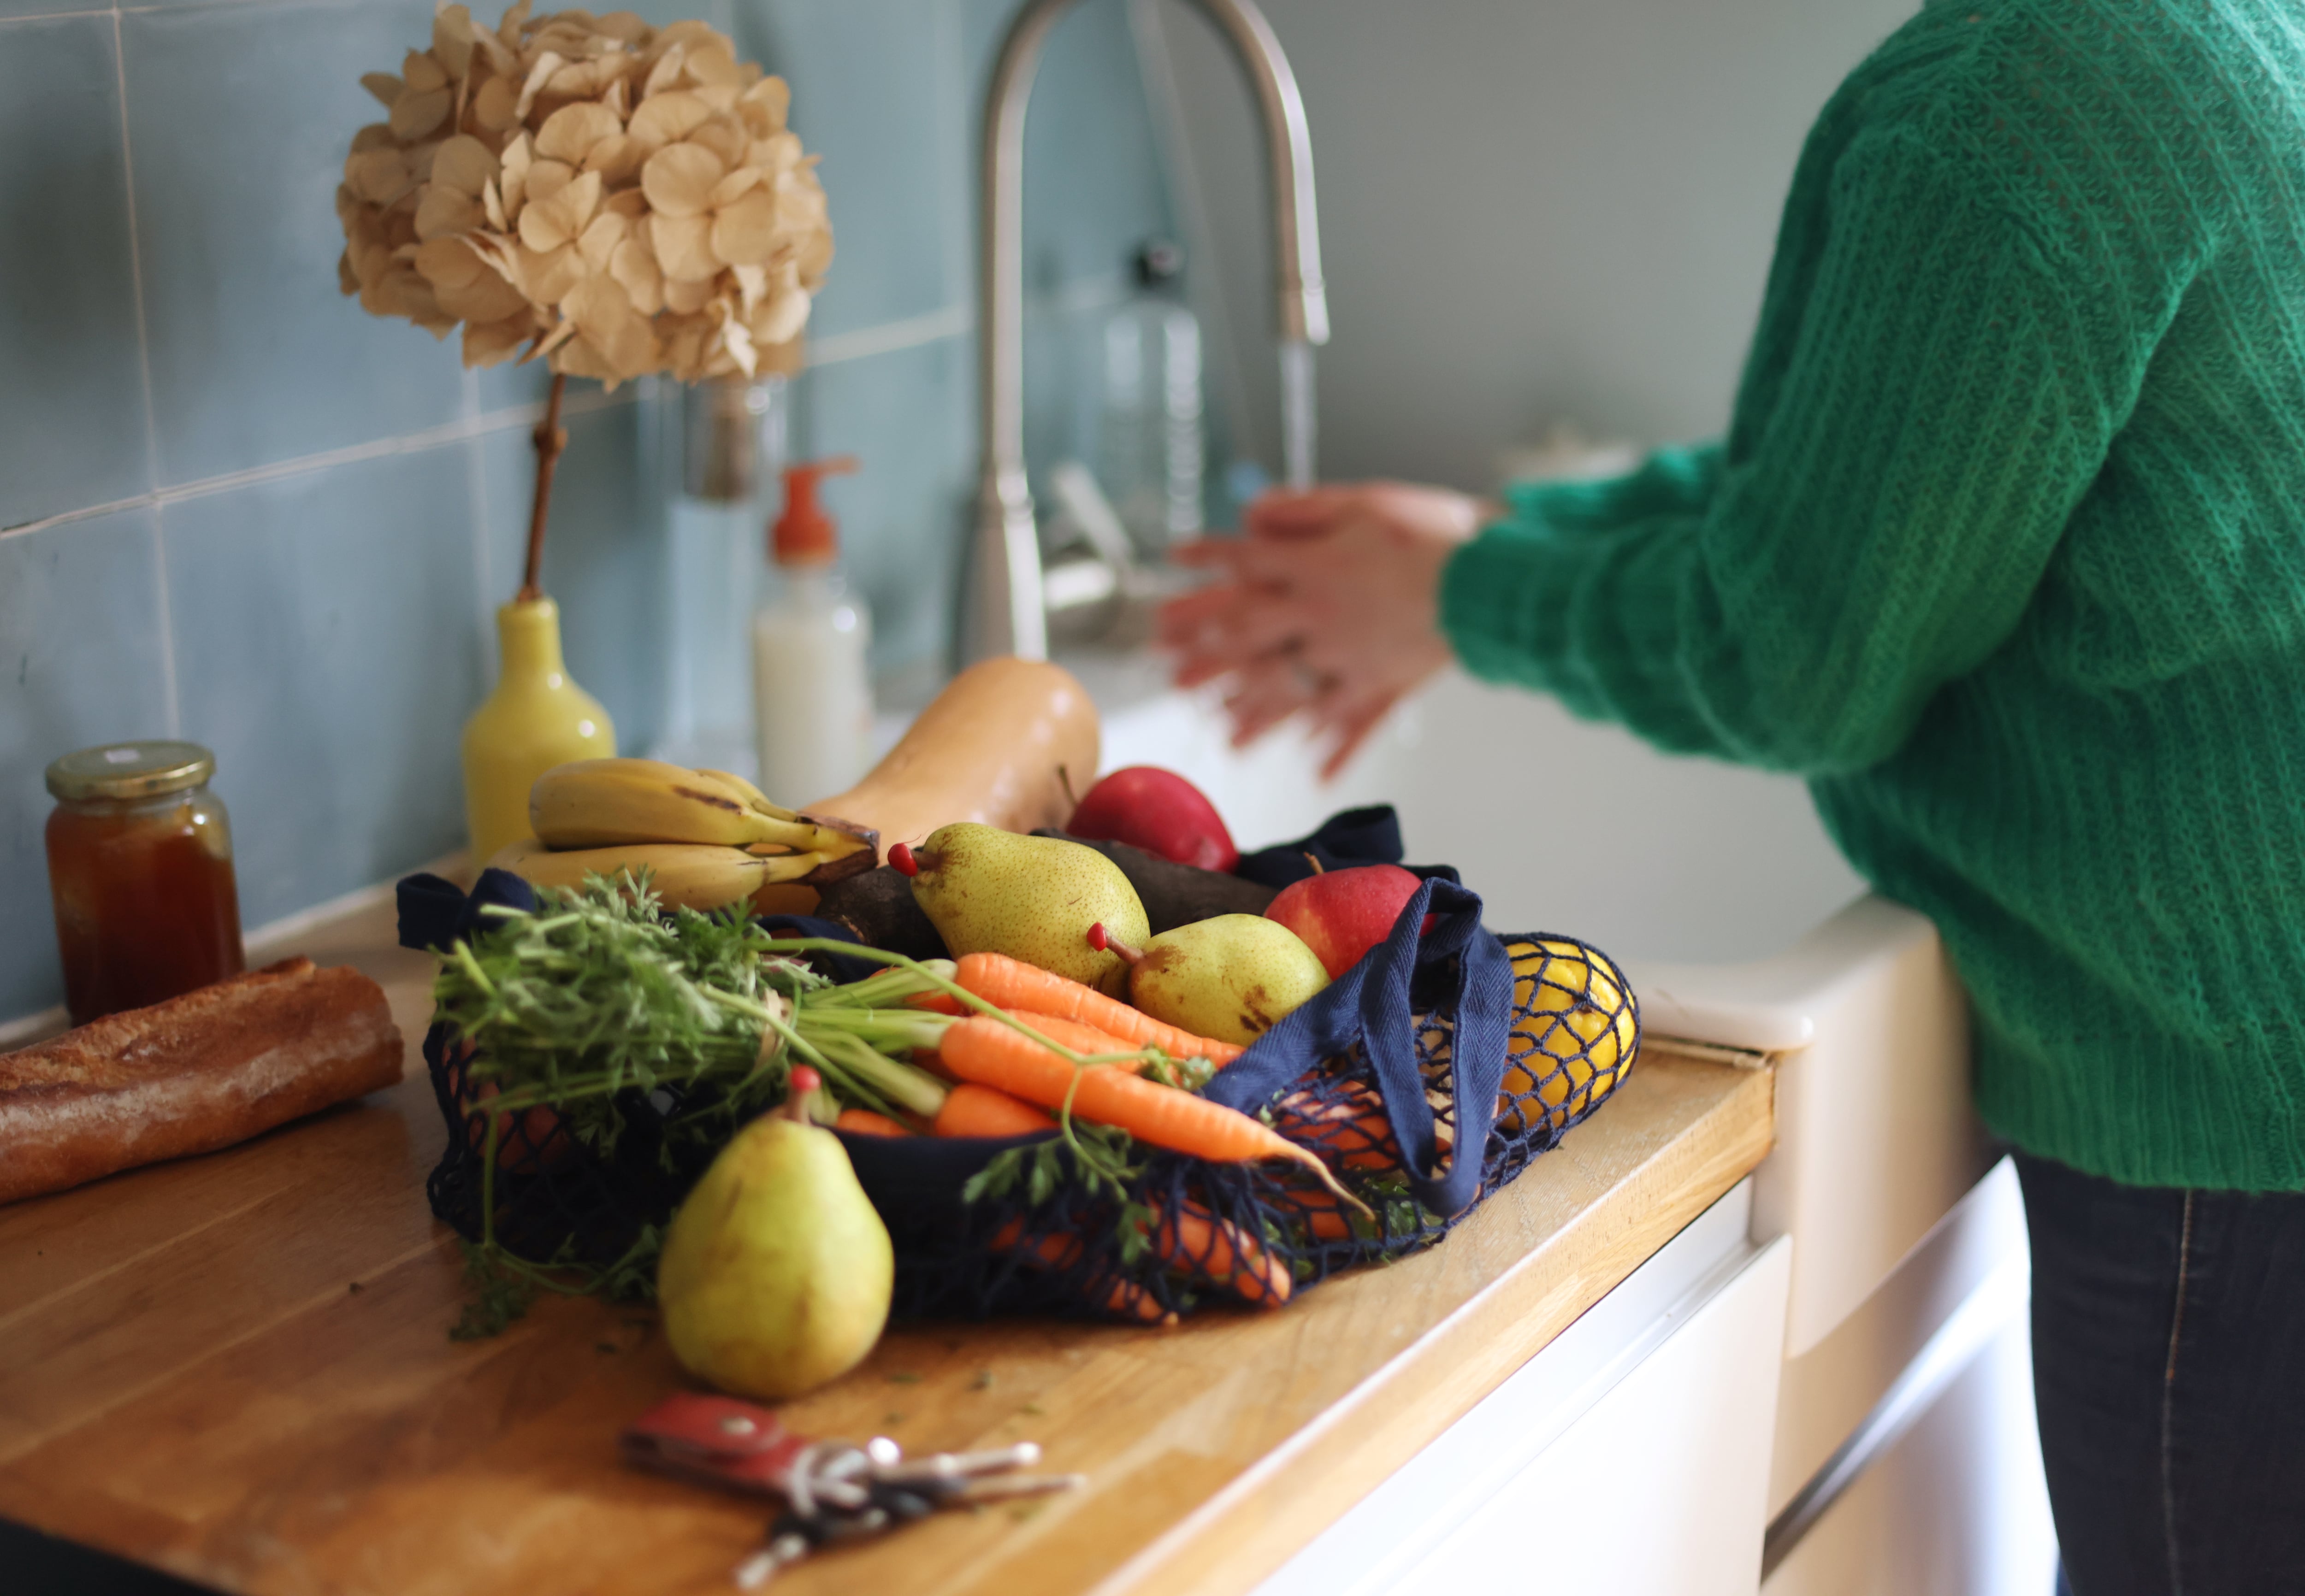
(236, 1368)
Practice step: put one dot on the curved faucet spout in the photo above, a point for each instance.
(1005, 613)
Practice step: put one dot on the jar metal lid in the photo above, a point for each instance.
(130, 770)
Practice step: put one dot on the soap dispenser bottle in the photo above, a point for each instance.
(812, 690)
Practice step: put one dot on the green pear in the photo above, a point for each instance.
(1232, 978)
(1031, 897)
(776, 1272)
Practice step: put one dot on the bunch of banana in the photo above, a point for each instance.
(707, 838)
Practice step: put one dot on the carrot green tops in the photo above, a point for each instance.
(2005, 552)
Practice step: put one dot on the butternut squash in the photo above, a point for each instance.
(1008, 743)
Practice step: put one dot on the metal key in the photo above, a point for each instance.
(889, 1462)
(842, 1492)
(793, 1537)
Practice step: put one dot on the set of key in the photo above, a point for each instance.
(833, 1491)
(842, 1492)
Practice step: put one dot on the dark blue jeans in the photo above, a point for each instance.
(2169, 1378)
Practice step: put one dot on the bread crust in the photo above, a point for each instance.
(191, 1074)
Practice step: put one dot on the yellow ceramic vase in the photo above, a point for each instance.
(535, 719)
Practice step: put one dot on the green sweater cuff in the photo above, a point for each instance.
(1491, 595)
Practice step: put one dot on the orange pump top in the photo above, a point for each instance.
(805, 534)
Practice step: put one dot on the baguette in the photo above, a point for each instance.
(191, 1074)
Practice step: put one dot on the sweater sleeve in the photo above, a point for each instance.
(1891, 496)
(1670, 481)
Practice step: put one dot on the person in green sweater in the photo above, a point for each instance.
(2005, 552)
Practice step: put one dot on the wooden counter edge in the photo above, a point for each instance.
(1247, 1531)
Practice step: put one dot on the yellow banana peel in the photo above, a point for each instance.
(593, 804)
(702, 875)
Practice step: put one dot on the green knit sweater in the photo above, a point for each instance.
(2005, 552)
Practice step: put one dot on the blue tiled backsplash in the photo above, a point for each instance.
(235, 509)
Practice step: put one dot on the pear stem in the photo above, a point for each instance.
(908, 860)
(799, 1087)
(1104, 941)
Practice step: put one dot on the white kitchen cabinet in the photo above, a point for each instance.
(1629, 1458)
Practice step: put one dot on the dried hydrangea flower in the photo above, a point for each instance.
(617, 198)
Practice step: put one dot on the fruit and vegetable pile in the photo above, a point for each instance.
(1051, 1055)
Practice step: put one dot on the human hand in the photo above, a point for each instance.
(1329, 602)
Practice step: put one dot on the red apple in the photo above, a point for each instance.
(1158, 811)
(1341, 914)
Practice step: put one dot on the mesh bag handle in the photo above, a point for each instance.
(1370, 1005)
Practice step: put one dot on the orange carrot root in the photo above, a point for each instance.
(1221, 1251)
(973, 1111)
(987, 1051)
(1012, 984)
(1352, 1130)
(863, 1122)
(1122, 1297)
(1091, 1040)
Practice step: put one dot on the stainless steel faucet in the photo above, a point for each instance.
(1005, 612)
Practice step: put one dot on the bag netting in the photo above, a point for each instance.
(1434, 1041)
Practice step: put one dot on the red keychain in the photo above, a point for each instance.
(716, 1440)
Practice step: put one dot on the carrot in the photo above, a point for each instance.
(1014, 984)
(863, 1122)
(1073, 1034)
(1064, 1032)
(988, 1052)
(1326, 1221)
(1352, 1128)
(937, 1003)
(1217, 1249)
(1117, 1296)
(535, 1140)
(1220, 1250)
(973, 1111)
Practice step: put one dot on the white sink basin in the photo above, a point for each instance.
(1559, 824)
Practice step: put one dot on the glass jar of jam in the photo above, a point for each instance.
(140, 867)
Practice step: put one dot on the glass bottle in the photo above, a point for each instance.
(140, 869)
(731, 449)
(1151, 448)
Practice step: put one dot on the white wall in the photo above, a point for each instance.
(1530, 209)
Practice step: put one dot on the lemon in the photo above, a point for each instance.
(1573, 1034)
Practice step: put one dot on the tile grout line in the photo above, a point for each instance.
(410, 443)
(171, 703)
(171, 706)
(476, 496)
(959, 222)
(63, 16)
(889, 337)
(135, 253)
(117, 10)
(860, 343)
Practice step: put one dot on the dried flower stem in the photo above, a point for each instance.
(551, 438)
